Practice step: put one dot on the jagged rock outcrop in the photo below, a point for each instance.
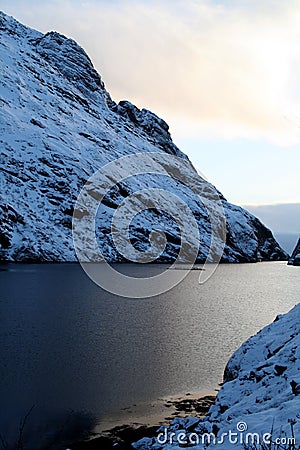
(295, 257)
(58, 126)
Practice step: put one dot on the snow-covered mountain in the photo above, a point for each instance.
(58, 126)
(258, 404)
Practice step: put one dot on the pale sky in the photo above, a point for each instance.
(223, 74)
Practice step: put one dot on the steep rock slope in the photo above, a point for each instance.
(58, 125)
(259, 400)
(295, 257)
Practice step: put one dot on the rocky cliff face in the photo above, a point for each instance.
(58, 126)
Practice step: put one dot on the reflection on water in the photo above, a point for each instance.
(67, 345)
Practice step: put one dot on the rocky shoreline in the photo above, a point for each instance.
(121, 437)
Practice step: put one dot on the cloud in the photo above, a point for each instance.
(211, 68)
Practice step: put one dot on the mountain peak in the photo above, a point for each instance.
(65, 55)
(11, 26)
(60, 52)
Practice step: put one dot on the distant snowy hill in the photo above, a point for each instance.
(281, 218)
(58, 126)
(258, 404)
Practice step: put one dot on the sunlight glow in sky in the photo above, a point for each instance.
(223, 74)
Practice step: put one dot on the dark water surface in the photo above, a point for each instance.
(73, 350)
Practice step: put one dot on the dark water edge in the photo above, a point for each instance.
(122, 436)
(79, 355)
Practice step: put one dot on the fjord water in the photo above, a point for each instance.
(67, 345)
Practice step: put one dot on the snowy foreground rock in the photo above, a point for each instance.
(259, 402)
(58, 126)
